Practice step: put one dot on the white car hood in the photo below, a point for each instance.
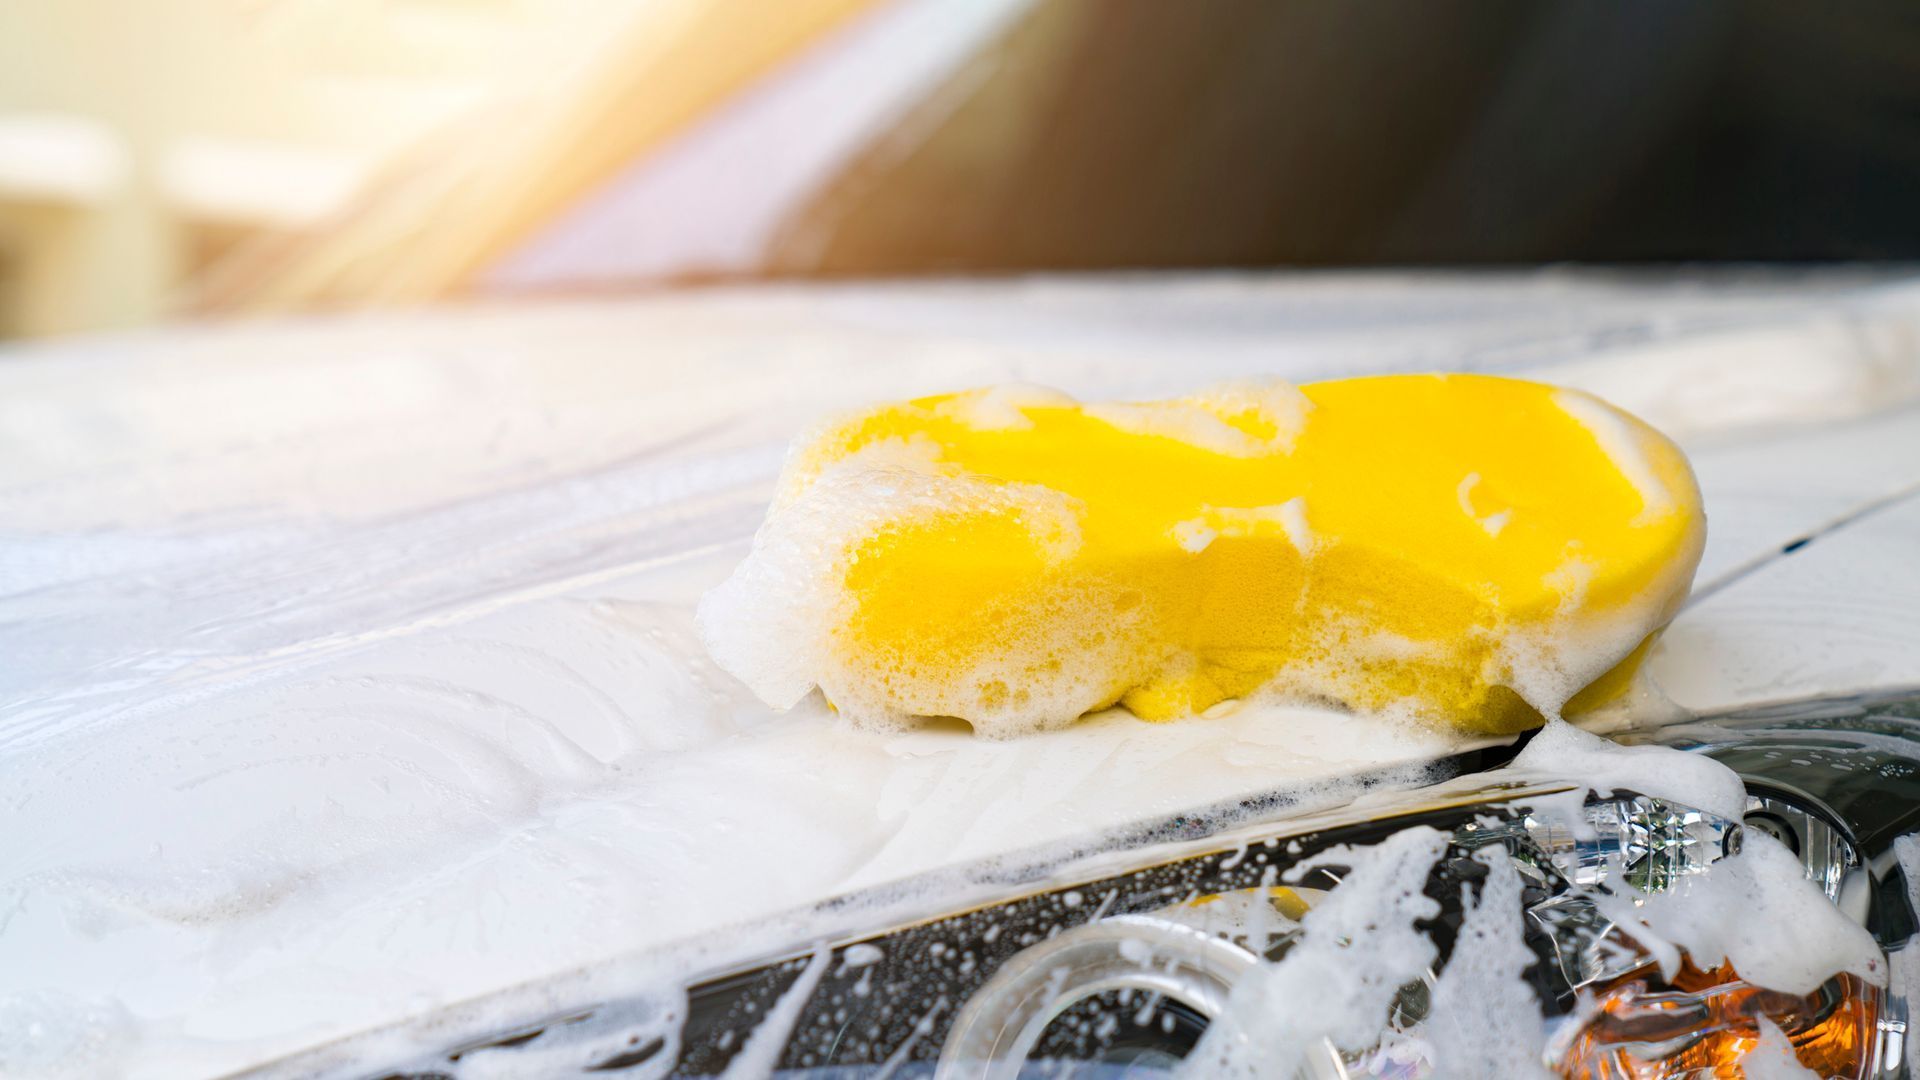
(350, 667)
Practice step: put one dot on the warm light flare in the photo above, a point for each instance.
(1705, 1022)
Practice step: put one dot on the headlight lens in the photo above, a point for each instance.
(1703, 1023)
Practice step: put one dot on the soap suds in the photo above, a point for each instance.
(764, 622)
(757, 1059)
(1485, 1020)
(1493, 522)
(1358, 948)
(1362, 942)
(56, 1036)
(1245, 418)
(1623, 445)
(1561, 751)
(1767, 885)
(1772, 1056)
(1001, 407)
(1197, 534)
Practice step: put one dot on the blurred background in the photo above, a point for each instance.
(171, 159)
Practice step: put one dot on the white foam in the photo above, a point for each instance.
(57, 1036)
(1485, 1019)
(1001, 407)
(757, 1059)
(1623, 446)
(1206, 419)
(1492, 522)
(768, 622)
(1358, 948)
(1194, 535)
(1766, 884)
(1561, 751)
(1772, 1056)
(1293, 518)
(1906, 850)
(1197, 534)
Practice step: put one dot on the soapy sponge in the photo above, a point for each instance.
(1463, 549)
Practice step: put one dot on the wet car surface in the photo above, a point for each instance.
(334, 708)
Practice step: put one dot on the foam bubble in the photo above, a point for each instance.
(1242, 418)
(1197, 534)
(1766, 884)
(1772, 1056)
(764, 623)
(1561, 751)
(53, 1035)
(1357, 949)
(1359, 945)
(1002, 407)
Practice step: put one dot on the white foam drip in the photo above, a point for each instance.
(757, 1059)
(1358, 948)
(1772, 1057)
(575, 1046)
(1906, 851)
(1485, 1020)
(1767, 885)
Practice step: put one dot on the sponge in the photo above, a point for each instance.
(1465, 550)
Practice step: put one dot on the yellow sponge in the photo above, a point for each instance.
(1467, 549)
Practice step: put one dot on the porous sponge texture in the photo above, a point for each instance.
(1468, 550)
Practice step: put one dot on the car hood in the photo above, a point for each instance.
(351, 667)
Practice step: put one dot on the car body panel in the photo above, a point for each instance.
(351, 664)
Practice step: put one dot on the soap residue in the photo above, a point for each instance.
(1002, 407)
(1754, 910)
(1787, 936)
(764, 621)
(1485, 1018)
(1359, 947)
(1561, 751)
(769, 1038)
(1242, 418)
